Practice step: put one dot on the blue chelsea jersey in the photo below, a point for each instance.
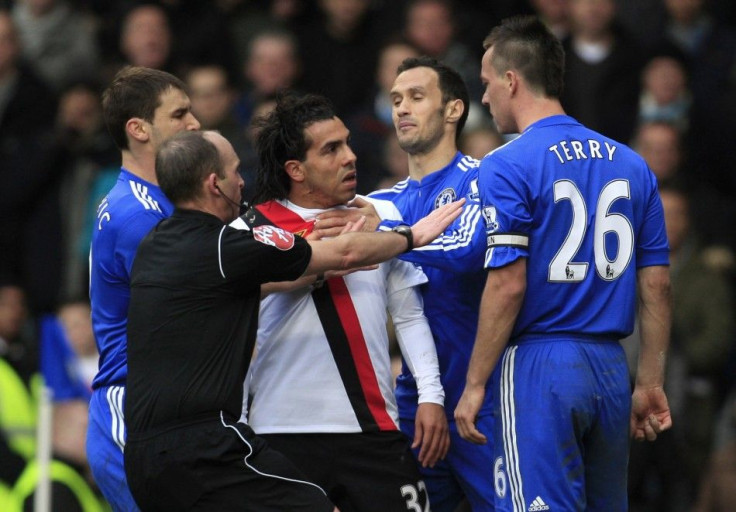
(585, 212)
(126, 215)
(453, 264)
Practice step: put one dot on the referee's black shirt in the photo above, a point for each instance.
(193, 317)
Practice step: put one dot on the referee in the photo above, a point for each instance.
(193, 316)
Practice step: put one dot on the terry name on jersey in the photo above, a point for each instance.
(567, 151)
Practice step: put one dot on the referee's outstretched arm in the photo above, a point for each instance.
(358, 249)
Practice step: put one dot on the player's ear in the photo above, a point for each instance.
(512, 81)
(211, 185)
(137, 129)
(294, 169)
(454, 110)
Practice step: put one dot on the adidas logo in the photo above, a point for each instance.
(538, 504)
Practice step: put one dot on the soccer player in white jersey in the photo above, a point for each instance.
(320, 387)
(142, 108)
(574, 228)
(429, 109)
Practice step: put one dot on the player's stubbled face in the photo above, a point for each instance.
(329, 167)
(417, 110)
(172, 116)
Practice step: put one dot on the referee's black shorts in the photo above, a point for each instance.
(361, 472)
(215, 465)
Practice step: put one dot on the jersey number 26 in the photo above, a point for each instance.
(562, 268)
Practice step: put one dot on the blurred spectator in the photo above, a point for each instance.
(718, 492)
(431, 27)
(663, 148)
(213, 104)
(58, 40)
(272, 66)
(91, 151)
(143, 37)
(659, 143)
(475, 18)
(213, 100)
(710, 47)
(371, 127)
(200, 35)
(602, 70)
(718, 485)
(480, 141)
(69, 363)
(339, 50)
(395, 167)
(555, 14)
(31, 161)
(17, 341)
(703, 329)
(249, 156)
(665, 95)
(75, 318)
(643, 19)
(702, 336)
(19, 365)
(247, 18)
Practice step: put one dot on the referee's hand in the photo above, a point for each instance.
(434, 224)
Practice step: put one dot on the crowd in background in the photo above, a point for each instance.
(659, 75)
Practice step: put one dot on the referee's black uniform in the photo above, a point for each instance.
(195, 294)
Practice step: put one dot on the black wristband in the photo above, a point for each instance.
(405, 231)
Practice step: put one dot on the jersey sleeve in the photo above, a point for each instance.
(506, 212)
(652, 247)
(262, 254)
(134, 229)
(390, 215)
(460, 247)
(403, 275)
(416, 343)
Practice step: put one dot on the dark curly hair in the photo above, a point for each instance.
(282, 137)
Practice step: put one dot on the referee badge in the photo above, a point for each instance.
(273, 236)
(445, 197)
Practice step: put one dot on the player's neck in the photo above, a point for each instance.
(308, 199)
(422, 165)
(537, 108)
(142, 165)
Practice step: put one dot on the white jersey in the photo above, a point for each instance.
(322, 359)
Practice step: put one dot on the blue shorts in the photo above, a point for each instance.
(562, 431)
(466, 471)
(105, 443)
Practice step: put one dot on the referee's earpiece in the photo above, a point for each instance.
(232, 203)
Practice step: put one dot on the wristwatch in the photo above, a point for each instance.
(405, 231)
